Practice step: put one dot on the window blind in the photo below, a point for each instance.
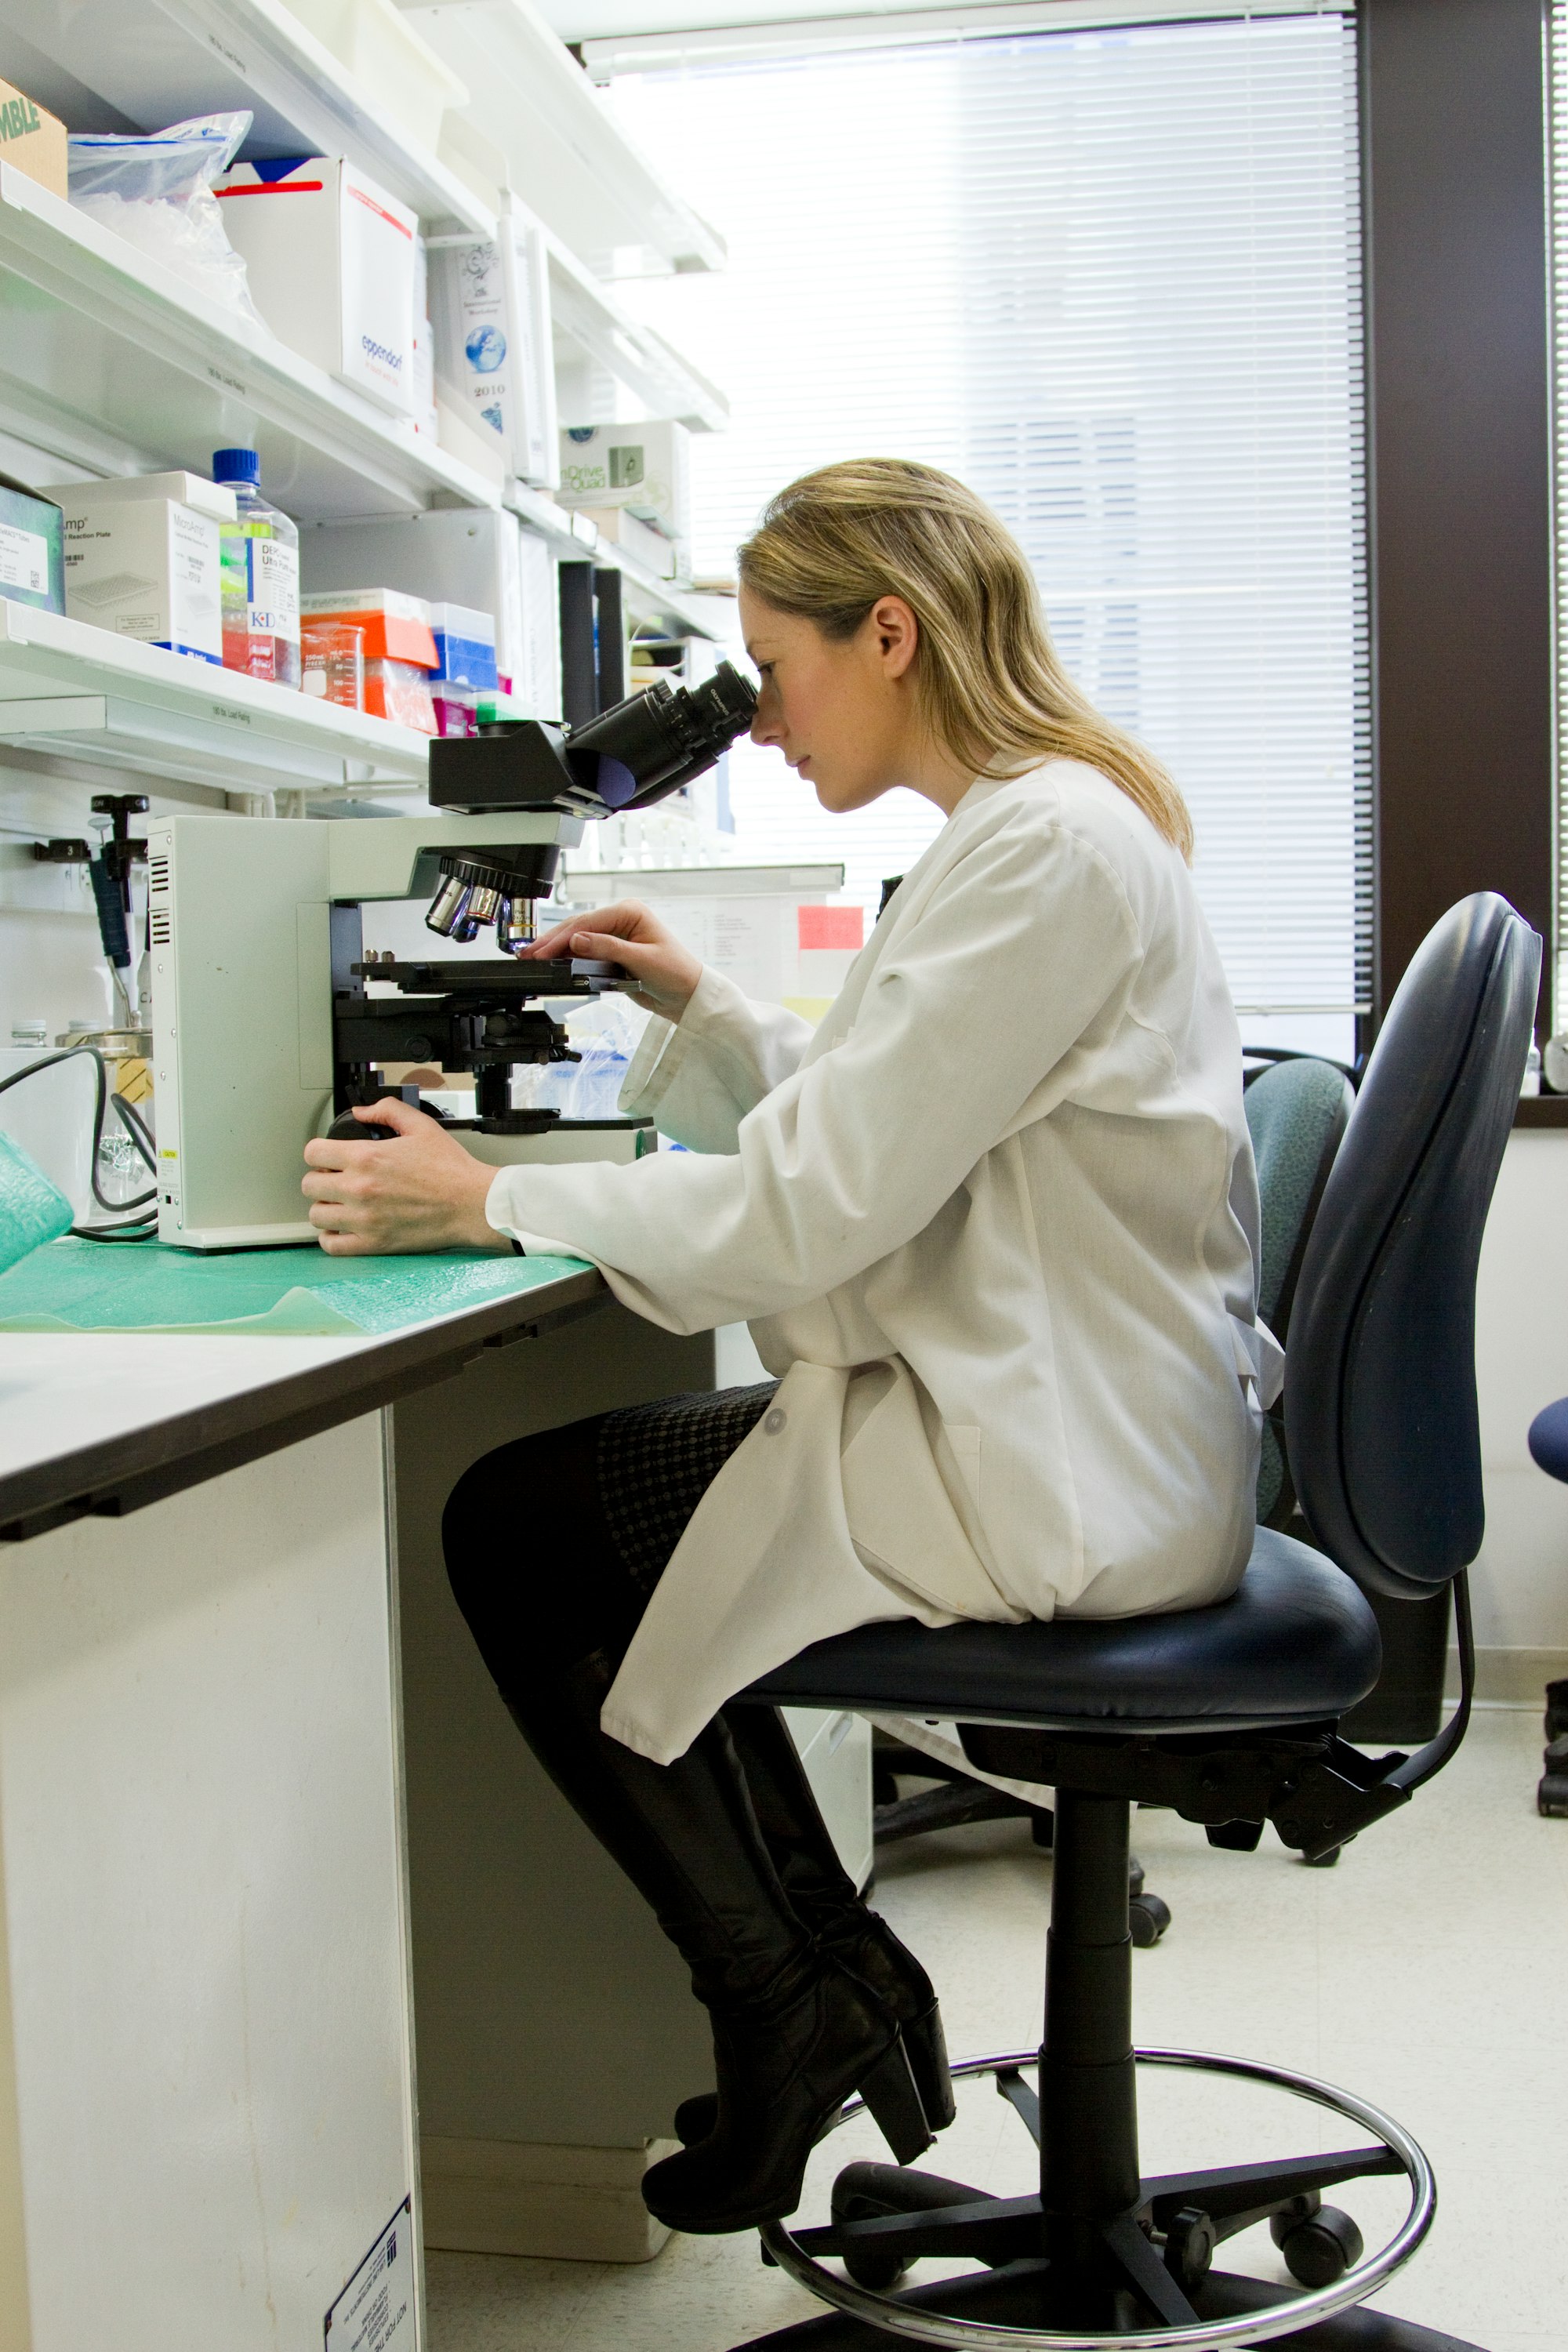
(1557, 168)
(1111, 278)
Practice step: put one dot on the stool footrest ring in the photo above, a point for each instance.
(1233, 2191)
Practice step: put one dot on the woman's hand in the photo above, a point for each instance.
(627, 934)
(417, 1191)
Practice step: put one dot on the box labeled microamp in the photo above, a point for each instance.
(143, 558)
(331, 258)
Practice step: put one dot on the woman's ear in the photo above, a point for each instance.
(895, 633)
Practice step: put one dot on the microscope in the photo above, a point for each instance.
(271, 1022)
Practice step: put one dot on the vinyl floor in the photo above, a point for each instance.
(1425, 1971)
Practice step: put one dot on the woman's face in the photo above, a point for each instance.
(844, 713)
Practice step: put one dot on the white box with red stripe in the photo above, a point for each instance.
(331, 258)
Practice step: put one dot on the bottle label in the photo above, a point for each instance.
(272, 589)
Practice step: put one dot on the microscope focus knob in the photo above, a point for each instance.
(350, 1129)
(347, 1129)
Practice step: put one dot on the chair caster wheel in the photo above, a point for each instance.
(878, 2269)
(879, 2273)
(1149, 1918)
(1320, 2249)
(1321, 1861)
(1189, 2247)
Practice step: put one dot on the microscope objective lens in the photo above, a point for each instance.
(449, 907)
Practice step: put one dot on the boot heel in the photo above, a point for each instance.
(890, 2093)
(927, 2046)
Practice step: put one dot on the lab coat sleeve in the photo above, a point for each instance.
(966, 1030)
(699, 1079)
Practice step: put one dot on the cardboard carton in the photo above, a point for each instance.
(32, 138)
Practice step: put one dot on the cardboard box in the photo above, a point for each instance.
(639, 539)
(645, 469)
(143, 558)
(397, 626)
(494, 345)
(331, 262)
(32, 548)
(33, 140)
(465, 646)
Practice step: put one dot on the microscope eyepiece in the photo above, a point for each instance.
(636, 754)
(661, 737)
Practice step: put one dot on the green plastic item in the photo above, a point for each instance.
(32, 1211)
(77, 1286)
(32, 548)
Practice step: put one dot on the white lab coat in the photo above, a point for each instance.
(995, 1226)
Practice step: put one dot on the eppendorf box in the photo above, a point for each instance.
(143, 558)
(331, 258)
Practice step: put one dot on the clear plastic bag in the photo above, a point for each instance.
(607, 1034)
(157, 192)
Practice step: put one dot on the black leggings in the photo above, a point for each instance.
(604, 1503)
(726, 1842)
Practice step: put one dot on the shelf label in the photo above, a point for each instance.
(229, 382)
(230, 57)
(375, 2312)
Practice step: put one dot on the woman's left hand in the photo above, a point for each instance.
(418, 1189)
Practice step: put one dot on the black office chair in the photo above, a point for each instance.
(1229, 1715)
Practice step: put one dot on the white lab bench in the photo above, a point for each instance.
(265, 1827)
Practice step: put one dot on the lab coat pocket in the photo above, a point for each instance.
(963, 1437)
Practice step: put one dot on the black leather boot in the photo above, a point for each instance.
(794, 2033)
(824, 1898)
(785, 2067)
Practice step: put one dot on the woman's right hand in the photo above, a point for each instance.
(627, 934)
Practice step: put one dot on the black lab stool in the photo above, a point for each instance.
(1228, 1715)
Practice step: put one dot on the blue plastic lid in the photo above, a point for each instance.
(236, 466)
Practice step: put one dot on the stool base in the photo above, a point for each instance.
(1141, 2279)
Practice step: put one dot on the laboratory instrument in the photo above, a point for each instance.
(270, 1017)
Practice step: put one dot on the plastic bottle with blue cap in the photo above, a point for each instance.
(260, 572)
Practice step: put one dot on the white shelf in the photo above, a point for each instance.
(575, 540)
(162, 61)
(586, 313)
(567, 158)
(115, 363)
(84, 694)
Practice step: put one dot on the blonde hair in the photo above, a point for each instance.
(992, 689)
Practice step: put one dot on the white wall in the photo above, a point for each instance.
(1519, 1584)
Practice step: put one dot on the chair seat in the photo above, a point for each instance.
(1549, 1439)
(1296, 1643)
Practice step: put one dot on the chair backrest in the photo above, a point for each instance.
(1296, 1114)
(1380, 1399)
